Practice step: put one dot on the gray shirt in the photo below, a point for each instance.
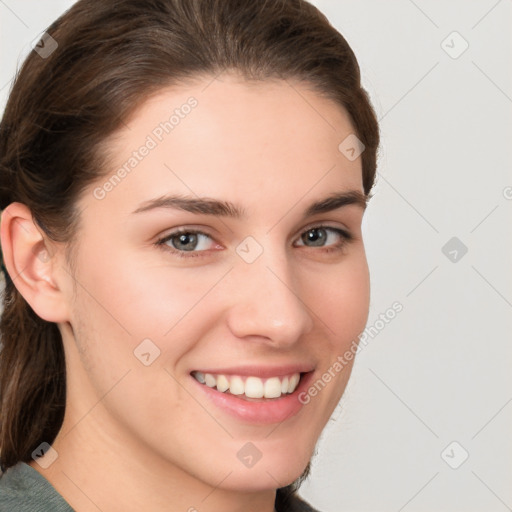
(23, 489)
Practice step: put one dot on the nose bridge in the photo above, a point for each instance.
(268, 303)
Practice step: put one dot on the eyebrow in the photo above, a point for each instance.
(208, 206)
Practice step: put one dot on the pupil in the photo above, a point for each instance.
(315, 236)
(186, 241)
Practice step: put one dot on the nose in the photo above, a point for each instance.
(266, 302)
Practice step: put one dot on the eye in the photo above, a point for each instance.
(186, 241)
(325, 236)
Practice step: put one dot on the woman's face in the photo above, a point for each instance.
(241, 270)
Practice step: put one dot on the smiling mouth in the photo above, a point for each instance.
(249, 387)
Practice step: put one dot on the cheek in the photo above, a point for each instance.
(117, 311)
(339, 298)
(141, 299)
(126, 314)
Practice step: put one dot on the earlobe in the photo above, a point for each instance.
(31, 266)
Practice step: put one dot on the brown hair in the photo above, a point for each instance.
(111, 56)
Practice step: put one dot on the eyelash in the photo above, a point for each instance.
(161, 243)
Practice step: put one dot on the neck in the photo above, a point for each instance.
(99, 469)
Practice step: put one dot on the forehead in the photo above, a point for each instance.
(225, 137)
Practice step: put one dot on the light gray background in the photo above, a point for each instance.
(440, 371)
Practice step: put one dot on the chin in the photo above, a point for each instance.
(270, 472)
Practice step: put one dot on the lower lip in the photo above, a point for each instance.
(275, 410)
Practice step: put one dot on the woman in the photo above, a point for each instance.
(183, 184)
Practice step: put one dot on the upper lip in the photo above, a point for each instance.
(259, 371)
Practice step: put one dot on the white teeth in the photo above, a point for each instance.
(222, 383)
(252, 387)
(236, 386)
(292, 384)
(273, 388)
(210, 380)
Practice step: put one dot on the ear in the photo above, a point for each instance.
(31, 266)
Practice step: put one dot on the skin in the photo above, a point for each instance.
(142, 437)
